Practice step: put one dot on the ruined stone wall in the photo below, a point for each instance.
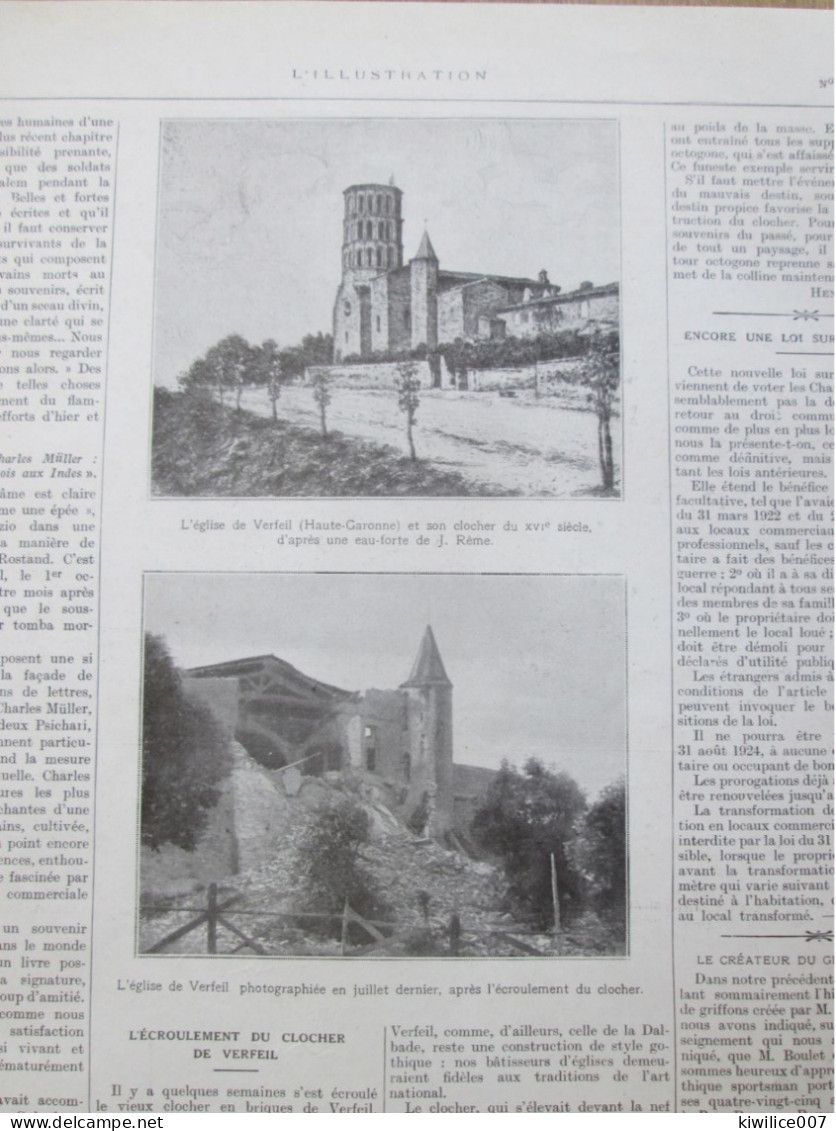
(240, 834)
(256, 812)
(385, 713)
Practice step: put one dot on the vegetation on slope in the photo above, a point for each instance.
(203, 448)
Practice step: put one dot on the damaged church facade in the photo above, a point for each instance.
(400, 740)
(385, 306)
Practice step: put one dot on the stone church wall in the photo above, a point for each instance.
(450, 315)
(549, 376)
(400, 299)
(368, 375)
(479, 298)
(574, 312)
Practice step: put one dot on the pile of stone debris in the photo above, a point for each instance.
(439, 901)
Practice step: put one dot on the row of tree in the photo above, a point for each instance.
(233, 364)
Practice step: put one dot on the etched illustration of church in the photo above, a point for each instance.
(385, 306)
(402, 737)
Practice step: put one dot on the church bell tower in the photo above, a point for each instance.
(372, 245)
(372, 239)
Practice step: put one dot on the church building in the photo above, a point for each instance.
(387, 306)
(402, 738)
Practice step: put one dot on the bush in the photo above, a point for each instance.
(601, 851)
(526, 819)
(329, 860)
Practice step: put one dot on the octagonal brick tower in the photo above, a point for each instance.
(371, 231)
(372, 245)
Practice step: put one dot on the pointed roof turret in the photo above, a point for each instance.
(428, 666)
(425, 248)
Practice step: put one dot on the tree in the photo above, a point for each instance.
(330, 866)
(226, 365)
(600, 373)
(229, 359)
(322, 396)
(525, 819)
(198, 378)
(185, 755)
(269, 368)
(408, 384)
(459, 358)
(601, 851)
(314, 349)
(238, 383)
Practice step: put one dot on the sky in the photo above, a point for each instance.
(537, 662)
(250, 214)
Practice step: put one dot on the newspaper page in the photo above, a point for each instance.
(415, 560)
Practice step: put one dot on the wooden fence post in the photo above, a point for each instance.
(344, 935)
(556, 902)
(212, 920)
(454, 931)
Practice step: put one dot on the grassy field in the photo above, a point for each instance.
(201, 448)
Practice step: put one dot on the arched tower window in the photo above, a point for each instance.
(391, 257)
(380, 257)
(369, 230)
(381, 230)
(378, 204)
(389, 205)
(359, 229)
(369, 257)
(360, 202)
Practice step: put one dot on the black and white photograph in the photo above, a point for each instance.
(388, 307)
(383, 766)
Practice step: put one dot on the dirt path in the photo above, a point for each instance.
(524, 448)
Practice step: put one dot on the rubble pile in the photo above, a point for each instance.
(437, 901)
